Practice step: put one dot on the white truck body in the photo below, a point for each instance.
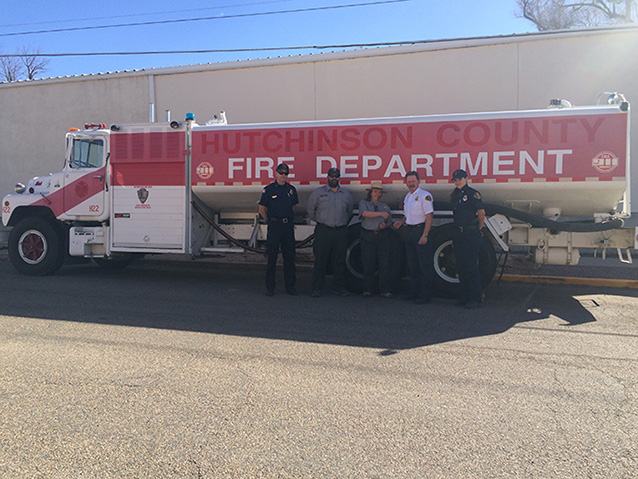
(147, 188)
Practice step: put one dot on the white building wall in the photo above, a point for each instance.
(501, 73)
(35, 116)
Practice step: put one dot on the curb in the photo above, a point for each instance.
(609, 283)
(513, 278)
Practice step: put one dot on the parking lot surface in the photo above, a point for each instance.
(178, 371)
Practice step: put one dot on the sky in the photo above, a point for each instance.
(62, 27)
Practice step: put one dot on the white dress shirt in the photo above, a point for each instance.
(417, 206)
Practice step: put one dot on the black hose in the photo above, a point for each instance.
(542, 222)
(236, 242)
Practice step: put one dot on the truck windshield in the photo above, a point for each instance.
(87, 153)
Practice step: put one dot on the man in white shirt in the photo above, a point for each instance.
(418, 212)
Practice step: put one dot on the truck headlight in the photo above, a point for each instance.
(19, 188)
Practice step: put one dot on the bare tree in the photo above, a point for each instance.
(563, 14)
(33, 64)
(10, 68)
(26, 63)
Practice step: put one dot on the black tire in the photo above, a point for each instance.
(354, 267)
(36, 247)
(117, 262)
(446, 282)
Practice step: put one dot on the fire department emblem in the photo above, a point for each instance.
(605, 162)
(142, 195)
(204, 170)
(81, 189)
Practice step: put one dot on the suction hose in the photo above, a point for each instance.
(542, 222)
(236, 242)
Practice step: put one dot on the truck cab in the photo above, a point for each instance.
(85, 170)
(42, 211)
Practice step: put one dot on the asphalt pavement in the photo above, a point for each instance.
(171, 370)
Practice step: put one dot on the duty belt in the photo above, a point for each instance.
(331, 227)
(279, 220)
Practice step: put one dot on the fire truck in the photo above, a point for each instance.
(553, 181)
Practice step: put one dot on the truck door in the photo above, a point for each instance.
(149, 189)
(84, 177)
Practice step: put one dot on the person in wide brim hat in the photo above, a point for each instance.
(376, 221)
(375, 185)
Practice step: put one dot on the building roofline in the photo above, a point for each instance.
(399, 49)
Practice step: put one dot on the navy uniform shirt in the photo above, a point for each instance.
(465, 203)
(279, 199)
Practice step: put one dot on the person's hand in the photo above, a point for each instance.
(385, 215)
(423, 240)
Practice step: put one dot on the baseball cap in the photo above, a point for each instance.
(334, 172)
(458, 174)
(283, 168)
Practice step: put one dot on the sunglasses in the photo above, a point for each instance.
(282, 173)
(333, 177)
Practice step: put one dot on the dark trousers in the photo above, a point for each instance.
(466, 249)
(329, 247)
(283, 234)
(419, 258)
(375, 252)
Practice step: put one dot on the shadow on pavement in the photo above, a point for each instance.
(231, 301)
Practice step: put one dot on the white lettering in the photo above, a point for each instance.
(395, 166)
(323, 159)
(427, 166)
(559, 158)
(370, 163)
(526, 158)
(500, 161)
(264, 165)
(349, 163)
(234, 164)
(472, 169)
(446, 162)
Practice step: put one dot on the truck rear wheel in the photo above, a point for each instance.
(446, 281)
(36, 247)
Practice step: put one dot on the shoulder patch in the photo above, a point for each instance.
(428, 198)
(477, 195)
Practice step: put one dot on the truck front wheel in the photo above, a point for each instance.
(36, 247)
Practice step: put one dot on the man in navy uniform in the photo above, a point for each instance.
(277, 207)
(469, 217)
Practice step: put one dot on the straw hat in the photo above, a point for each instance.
(375, 185)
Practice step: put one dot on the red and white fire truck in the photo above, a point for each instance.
(553, 181)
